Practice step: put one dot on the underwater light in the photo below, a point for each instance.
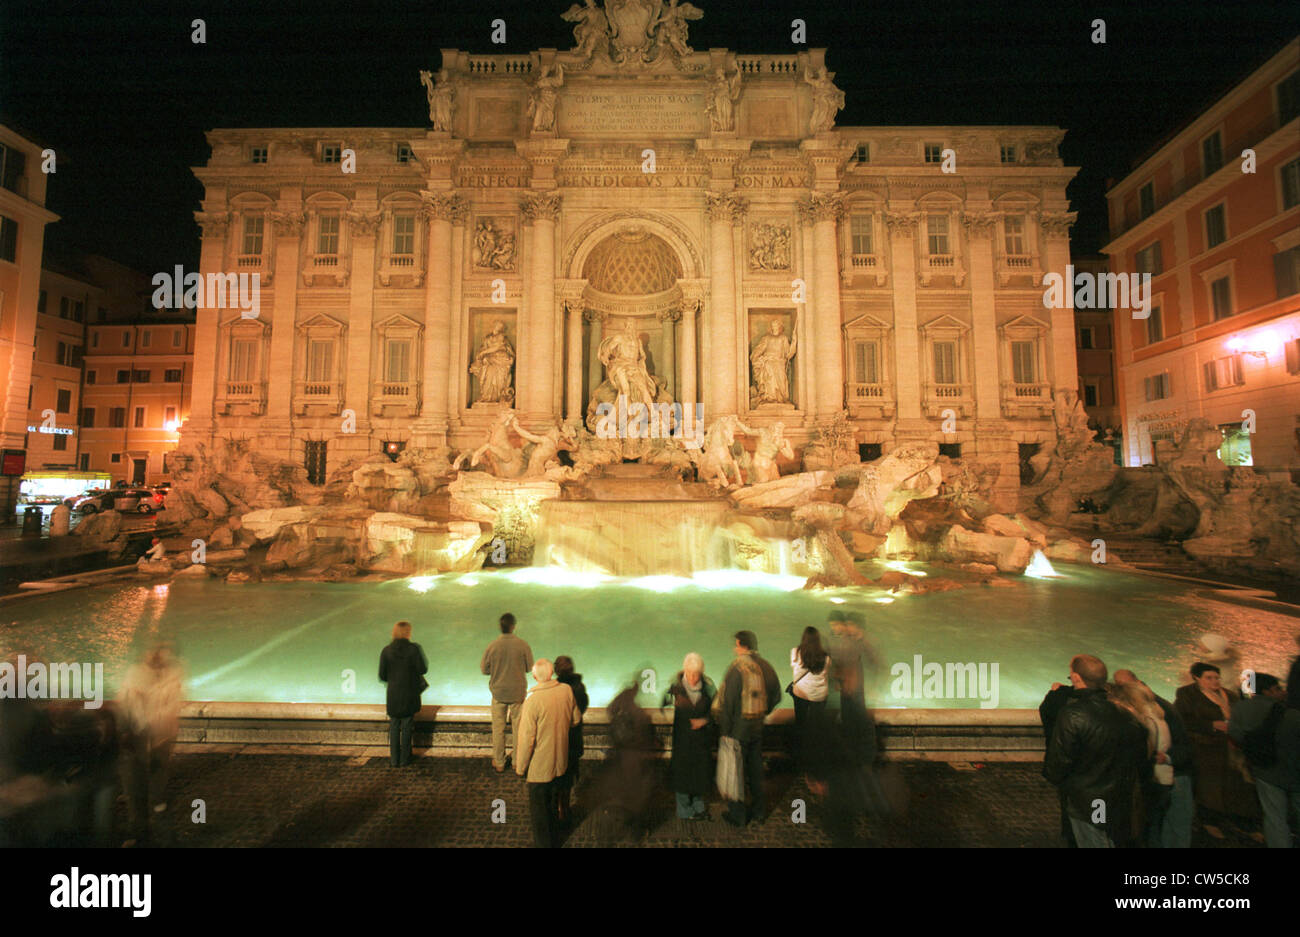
(420, 583)
(555, 576)
(836, 600)
(902, 567)
(1040, 567)
(658, 583)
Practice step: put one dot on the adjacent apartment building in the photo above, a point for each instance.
(1214, 216)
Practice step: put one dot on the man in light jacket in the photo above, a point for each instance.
(542, 748)
(506, 661)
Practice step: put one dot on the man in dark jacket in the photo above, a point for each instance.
(1276, 768)
(1048, 712)
(1169, 825)
(1097, 756)
(402, 666)
(750, 690)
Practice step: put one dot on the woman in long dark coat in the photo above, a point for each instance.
(1205, 706)
(564, 783)
(691, 770)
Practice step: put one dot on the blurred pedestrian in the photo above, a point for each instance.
(1170, 827)
(565, 783)
(150, 705)
(1048, 711)
(1268, 731)
(691, 769)
(542, 748)
(402, 665)
(750, 690)
(506, 662)
(809, 687)
(1293, 679)
(1098, 753)
(1221, 785)
(849, 653)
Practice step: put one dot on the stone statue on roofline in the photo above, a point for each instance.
(541, 103)
(591, 32)
(828, 100)
(440, 99)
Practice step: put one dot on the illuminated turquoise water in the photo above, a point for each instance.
(295, 641)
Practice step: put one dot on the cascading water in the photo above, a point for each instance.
(634, 538)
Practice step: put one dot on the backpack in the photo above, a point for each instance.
(1260, 743)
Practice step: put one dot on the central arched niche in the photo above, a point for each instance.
(631, 277)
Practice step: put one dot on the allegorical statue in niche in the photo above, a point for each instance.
(492, 366)
(541, 103)
(828, 100)
(771, 443)
(771, 361)
(722, 95)
(624, 359)
(770, 247)
(672, 29)
(440, 99)
(592, 30)
(494, 249)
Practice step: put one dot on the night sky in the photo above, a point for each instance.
(124, 97)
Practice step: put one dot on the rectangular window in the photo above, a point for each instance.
(169, 415)
(1147, 200)
(94, 339)
(404, 153)
(12, 164)
(88, 417)
(936, 227)
(327, 240)
(176, 338)
(934, 152)
(40, 301)
(862, 153)
(866, 362)
(1023, 363)
(1156, 325)
(8, 239)
(258, 154)
(320, 361)
(1223, 372)
(397, 361)
(63, 401)
(117, 416)
(139, 416)
(404, 234)
(1216, 226)
(1090, 395)
(1086, 337)
(1212, 153)
(126, 339)
(60, 443)
(1291, 184)
(146, 338)
(253, 235)
(83, 462)
(860, 232)
(243, 359)
(172, 376)
(1286, 272)
(101, 314)
(1221, 298)
(331, 153)
(123, 377)
(91, 376)
(1293, 356)
(140, 377)
(1014, 226)
(65, 307)
(1157, 387)
(314, 460)
(1008, 153)
(1288, 99)
(79, 311)
(1148, 260)
(945, 362)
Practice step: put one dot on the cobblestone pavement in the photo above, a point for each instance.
(265, 800)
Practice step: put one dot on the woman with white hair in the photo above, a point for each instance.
(691, 770)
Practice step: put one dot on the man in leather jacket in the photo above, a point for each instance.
(1097, 756)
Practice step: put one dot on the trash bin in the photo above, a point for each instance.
(32, 521)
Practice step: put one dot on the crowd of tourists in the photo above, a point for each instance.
(1134, 769)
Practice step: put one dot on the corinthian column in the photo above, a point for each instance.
(907, 350)
(821, 211)
(206, 327)
(537, 331)
(722, 377)
(1056, 226)
(439, 210)
(689, 392)
(668, 367)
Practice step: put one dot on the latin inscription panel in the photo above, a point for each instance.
(636, 113)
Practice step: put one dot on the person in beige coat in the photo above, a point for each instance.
(542, 748)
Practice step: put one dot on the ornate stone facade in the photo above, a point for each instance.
(554, 196)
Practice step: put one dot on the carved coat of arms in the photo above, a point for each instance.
(629, 25)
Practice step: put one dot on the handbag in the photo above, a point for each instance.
(730, 775)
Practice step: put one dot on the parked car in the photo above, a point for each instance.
(141, 500)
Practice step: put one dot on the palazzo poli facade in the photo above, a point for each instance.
(697, 211)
